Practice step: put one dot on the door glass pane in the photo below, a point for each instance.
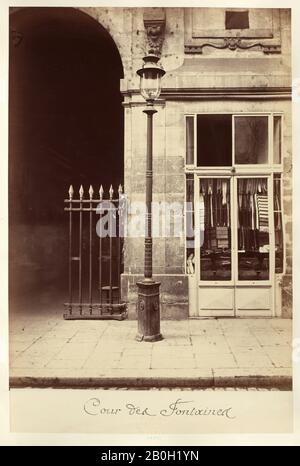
(190, 140)
(251, 139)
(215, 230)
(253, 229)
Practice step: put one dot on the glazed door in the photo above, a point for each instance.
(234, 261)
(254, 247)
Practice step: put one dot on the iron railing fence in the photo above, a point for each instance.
(96, 232)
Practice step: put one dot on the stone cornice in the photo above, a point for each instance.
(242, 93)
(227, 93)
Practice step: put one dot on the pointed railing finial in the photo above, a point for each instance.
(71, 192)
(91, 192)
(111, 192)
(81, 191)
(120, 190)
(101, 191)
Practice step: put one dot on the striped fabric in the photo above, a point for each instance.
(262, 217)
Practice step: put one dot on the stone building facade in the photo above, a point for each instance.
(212, 67)
(224, 64)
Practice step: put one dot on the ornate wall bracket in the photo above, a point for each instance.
(154, 22)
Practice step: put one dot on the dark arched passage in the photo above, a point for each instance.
(66, 126)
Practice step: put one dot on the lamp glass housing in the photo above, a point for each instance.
(150, 84)
(150, 78)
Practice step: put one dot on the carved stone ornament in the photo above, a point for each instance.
(154, 22)
(233, 43)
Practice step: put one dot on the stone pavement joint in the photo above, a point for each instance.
(48, 351)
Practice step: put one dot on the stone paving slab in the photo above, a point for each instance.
(206, 352)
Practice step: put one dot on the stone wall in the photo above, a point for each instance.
(233, 74)
(195, 83)
(263, 65)
(168, 257)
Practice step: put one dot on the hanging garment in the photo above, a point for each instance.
(228, 211)
(276, 203)
(259, 189)
(278, 223)
(240, 222)
(210, 192)
(277, 212)
(202, 218)
(190, 264)
(261, 202)
(224, 192)
(252, 209)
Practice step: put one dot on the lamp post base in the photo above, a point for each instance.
(150, 338)
(148, 311)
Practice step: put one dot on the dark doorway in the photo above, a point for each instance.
(66, 127)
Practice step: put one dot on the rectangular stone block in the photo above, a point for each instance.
(174, 253)
(174, 165)
(287, 296)
(175, 183)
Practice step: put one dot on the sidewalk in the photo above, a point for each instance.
(48, 351)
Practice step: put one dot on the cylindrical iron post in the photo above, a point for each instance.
(148, 306)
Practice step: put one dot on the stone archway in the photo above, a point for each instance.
(66, 126)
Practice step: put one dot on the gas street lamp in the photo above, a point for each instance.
(148, 307)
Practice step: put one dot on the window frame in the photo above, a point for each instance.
(281, 115)
(192, 178)
(268, 167)
(249, 165)
(190, 115)
(237, 11)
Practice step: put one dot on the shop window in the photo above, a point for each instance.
(214, 140)
(278, 227)
(253, 229)
(236, 20)
(251, 139)
(190, 225)
(214, 211)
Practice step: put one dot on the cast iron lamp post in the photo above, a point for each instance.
(148, 308)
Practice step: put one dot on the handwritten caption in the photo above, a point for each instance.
(179, 407)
